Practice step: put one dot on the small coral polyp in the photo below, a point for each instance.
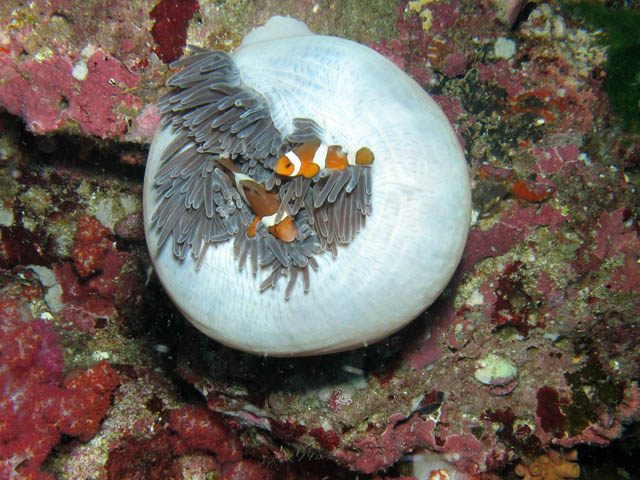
(294, 203)
(554, 465)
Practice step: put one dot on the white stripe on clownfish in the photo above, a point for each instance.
(311, 157)
(270, 220)
(295, 160)
(320, 157)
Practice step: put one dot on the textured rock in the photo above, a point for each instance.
(550, 277)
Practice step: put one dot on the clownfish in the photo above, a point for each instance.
(263, 203)
(311, 157)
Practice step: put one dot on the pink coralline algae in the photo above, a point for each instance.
(532, 90)
(170, 28)
(47, 95)
(404, 434)
(443, 46)
(91, 247)
(246, 470)
(100, 280)
(548, 411)
(37, 91)
(140, 458)
(553, 160)
(146, 124)
(513, 226)
(79, 67)
(618, 241)
(103, 95)
(549, 280)
(504, 75)
(198, 428)
(455, 64)
(30, 375)
(190, 435)
(36, 405)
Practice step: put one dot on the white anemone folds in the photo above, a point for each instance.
(409, 241)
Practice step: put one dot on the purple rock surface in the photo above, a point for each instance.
(549, 282)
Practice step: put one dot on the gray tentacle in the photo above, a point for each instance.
(213, 116)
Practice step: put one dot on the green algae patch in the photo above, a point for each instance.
(592, 388)
(621, 32)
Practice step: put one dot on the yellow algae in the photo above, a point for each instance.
(425, 14)
(427, 21)
(418, 5)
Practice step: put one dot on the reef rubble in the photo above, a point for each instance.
(533, 347)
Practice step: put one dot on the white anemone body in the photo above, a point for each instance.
(412, 242)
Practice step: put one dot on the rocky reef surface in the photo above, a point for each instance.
(532, 351)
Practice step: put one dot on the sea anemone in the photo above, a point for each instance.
(367, 245)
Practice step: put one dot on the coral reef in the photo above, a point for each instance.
(552, 466)
(38, 406)
(169, 30)
(92, 68)
(547, 289)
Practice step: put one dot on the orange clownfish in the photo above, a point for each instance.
(311, 157)
(264, 204)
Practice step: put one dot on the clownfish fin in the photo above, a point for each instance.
(228, 164)
(285, 230)
(262, 203)
(251, 229)
(309, 170)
